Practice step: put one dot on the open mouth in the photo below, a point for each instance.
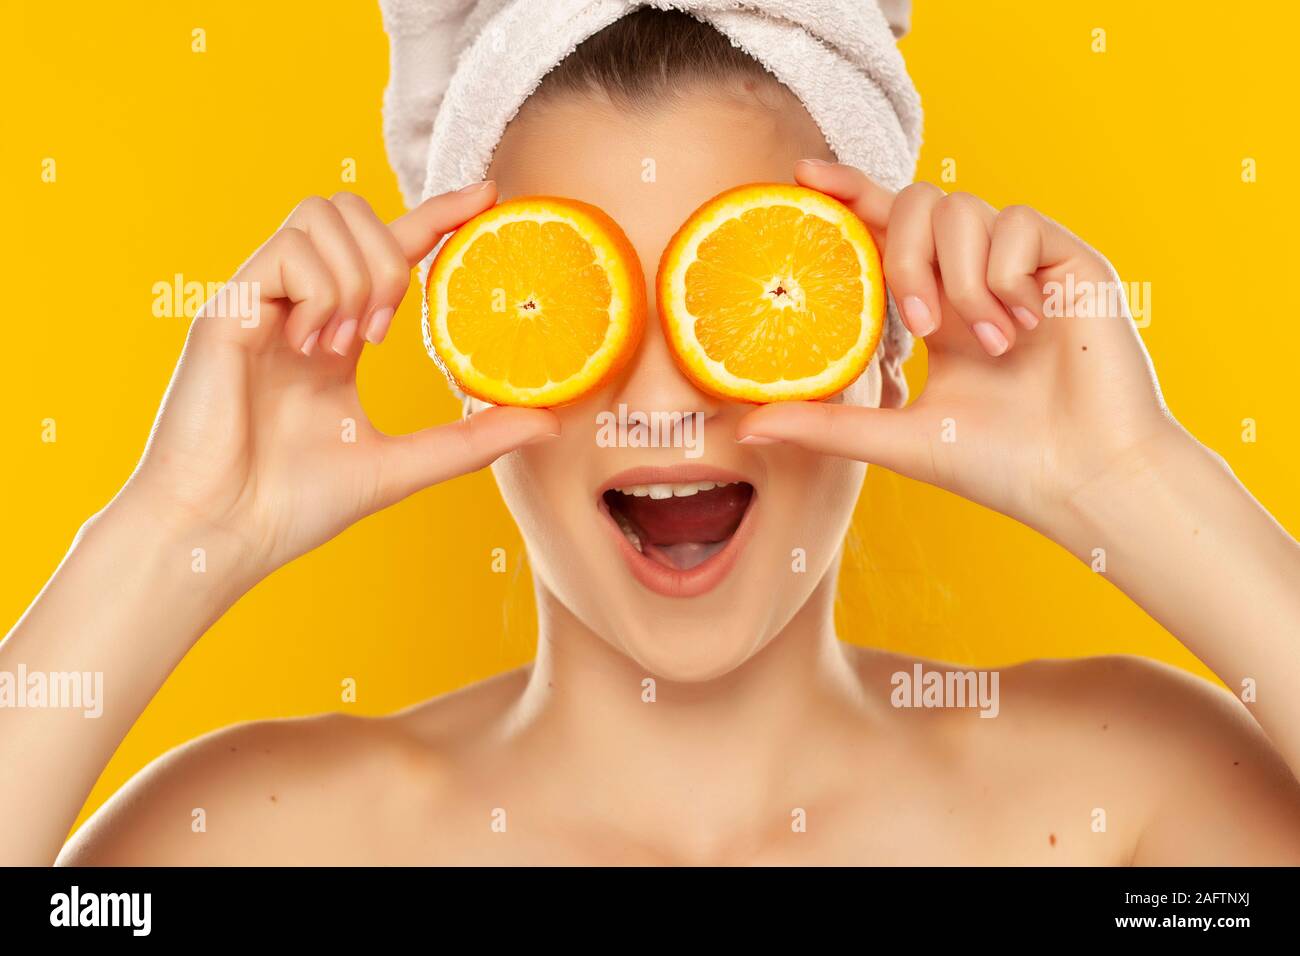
(679, 525)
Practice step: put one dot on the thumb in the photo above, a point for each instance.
(409, 463)
(882, 436)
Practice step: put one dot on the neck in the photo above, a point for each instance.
(733, 740)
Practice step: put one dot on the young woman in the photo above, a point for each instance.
(768, 739)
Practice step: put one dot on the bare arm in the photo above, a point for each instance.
(1189, 544)
(125, 604)
(245, 470)
(1057, 421)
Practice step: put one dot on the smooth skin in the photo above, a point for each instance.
(245, 462)
(1062, 427)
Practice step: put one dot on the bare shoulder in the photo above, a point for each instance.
(1161, 712)
(1212, 788)
(1225, 795)
(1164, 714)
(312, 790)
(1178, 763)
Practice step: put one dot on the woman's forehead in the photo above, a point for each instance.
(651, 167)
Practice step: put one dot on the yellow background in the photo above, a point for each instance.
(170, 161)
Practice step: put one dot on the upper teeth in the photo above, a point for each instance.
(681, 490)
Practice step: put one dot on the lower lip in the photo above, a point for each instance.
(671, 582)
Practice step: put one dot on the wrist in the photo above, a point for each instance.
(1103, 507)
(207, 561)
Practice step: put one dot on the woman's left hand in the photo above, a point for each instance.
(1056, 420)
(1029, 395)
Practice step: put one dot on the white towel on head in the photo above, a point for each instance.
(448, 100)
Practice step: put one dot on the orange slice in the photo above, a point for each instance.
(536, 302)
(772, 292)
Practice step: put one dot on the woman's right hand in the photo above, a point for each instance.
(261, 450)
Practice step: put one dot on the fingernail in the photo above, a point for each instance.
(918, 315)
(475, 187)
(758, 440)
(378, 326)
(343, 337)
(991, 337)
(816, 162)
(309, 343)
(1024, 316)
(538, 439)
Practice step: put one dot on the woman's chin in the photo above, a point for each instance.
(699, 652)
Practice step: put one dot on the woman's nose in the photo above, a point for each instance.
(652, 382)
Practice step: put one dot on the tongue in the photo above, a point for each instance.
(702, 518)
(685, 532)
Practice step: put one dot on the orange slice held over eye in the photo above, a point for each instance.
(772, 292)
(534, 302)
